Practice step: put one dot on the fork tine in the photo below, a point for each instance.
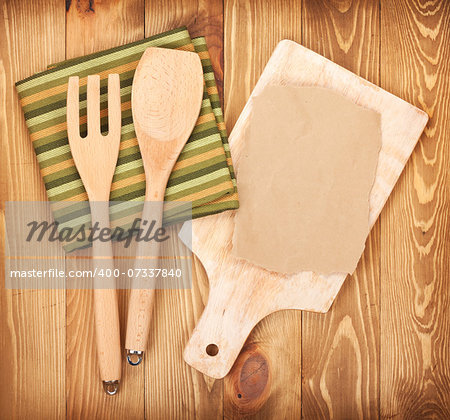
(93, 105)
(114, 107)
(73, 109)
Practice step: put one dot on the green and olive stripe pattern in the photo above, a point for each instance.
(228, 201)
(203, 174)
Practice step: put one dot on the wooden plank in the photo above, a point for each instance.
(99, 25)
(94, 26)
(256, 386)
(340, 349)
(173, 388)
(415, 270)
(32, 336)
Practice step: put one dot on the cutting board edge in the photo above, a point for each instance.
(365, 82)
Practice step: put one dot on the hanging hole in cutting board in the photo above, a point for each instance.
(212, 349)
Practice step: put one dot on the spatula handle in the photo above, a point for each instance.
(141, 301)
(106, 311)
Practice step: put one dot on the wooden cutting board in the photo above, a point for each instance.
(241, 294)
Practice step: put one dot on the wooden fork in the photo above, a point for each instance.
(95, 158)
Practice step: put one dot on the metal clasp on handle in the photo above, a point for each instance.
(131, 354)
(111, 387)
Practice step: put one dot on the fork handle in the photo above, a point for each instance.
(141, 301)
(106, 311)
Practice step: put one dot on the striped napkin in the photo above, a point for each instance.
(203, 174)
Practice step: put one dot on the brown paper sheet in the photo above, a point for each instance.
(304, 180)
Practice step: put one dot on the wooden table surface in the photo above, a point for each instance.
(382, 351)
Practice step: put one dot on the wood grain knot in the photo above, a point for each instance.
(84, 7)
(343, 6)
(248, 383)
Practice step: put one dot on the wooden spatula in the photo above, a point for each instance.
(166, 99)
(95, 158)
